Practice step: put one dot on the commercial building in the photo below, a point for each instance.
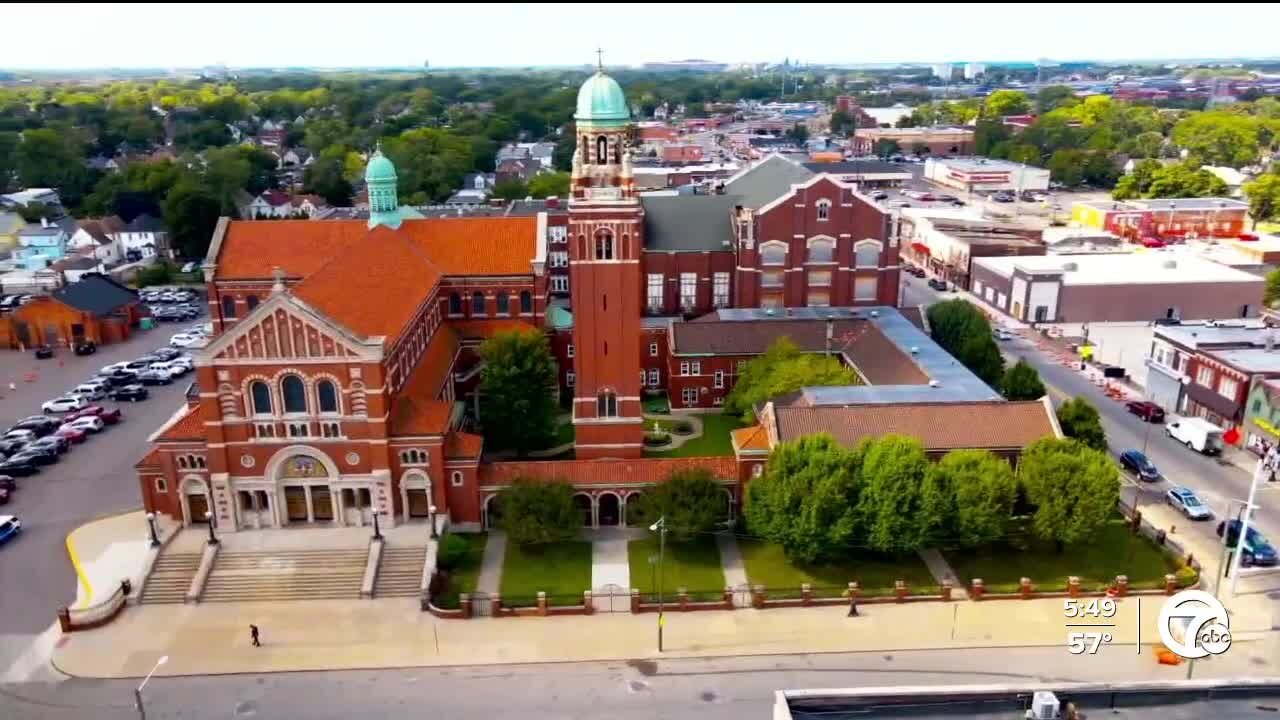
(918, 141)
(93, 309)
(978, 174)
(948, 245)
(1115, 288)
(1164, 218)
(864, 173)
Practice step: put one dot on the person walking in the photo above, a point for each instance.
(253, 633)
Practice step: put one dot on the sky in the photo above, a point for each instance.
(185, 35)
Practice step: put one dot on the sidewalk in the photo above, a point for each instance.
(110, 549)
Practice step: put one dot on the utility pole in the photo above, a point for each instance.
(660, 527)
(1258, 470)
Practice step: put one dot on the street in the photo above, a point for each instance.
(93, 479)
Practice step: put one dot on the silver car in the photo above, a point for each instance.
(1188, 503)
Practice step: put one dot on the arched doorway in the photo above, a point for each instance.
(582, 502)
(492, 512)
(195, 499)
(415, 495)
(608, 510)
(633, 510)
(304, 476)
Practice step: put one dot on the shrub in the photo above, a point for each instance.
(159, 274)
(452, 551)
(1187, 576)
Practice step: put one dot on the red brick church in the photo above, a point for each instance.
(342, 372)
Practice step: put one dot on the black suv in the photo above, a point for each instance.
(132, 393)
(86, 348)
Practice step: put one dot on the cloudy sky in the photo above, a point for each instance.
(379, 34)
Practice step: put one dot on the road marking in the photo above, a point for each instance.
(84, 579)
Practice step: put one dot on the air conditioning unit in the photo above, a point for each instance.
(1044, 706)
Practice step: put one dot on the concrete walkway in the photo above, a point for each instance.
(941, 570)
(609, 564)
(735, 573)
(495, 552)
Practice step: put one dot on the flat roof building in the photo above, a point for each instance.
(977, 174)
(917, 140)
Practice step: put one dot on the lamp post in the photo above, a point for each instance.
(137, 692)
(208, 518)
(151, 525)
(660, 527)
(432, 511)
(377, 530)
(1258, 471)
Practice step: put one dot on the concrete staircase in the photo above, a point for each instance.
(170, 578)
(400, 574)
(293, 575)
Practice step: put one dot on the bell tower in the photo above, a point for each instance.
(606, 233)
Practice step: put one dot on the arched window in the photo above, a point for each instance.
(504, 304)
(604, 245)
(477, 303)
(606, 404)
(328, 396)
(774, 253)
(294, 394)
(824, 210)
(602, 150)
(261, 395)
(228, 307)
(182, 462)
(822, 251)
(455, 304)
(866, 254)
(252, 302)
(526, 302)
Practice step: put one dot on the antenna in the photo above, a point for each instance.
(600, 59)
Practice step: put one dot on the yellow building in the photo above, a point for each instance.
(10, 224)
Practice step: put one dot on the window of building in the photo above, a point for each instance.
(773, 253)
(654, 378)
(653, 292)
(684, 369)
(455, 478)
(568, 351)
(504, 304)
(413, 456)
(688, 290)
(294, 394)
(331, 429)
(558, 235)
(161, 485)
(606, 404)
(604, 245)
(526, 302)
(977, 287)
(559, 283)
(643, 381)
(299, 429)
(455, 304)
(1257, 406)
(1204, 376)
(653, 349)
(264, 430)
(559, 259)
(689, 396)
(720, 289)
(261, 395)
(252, 302)
(1227, 387)
(822, 251)
(757, 470)
(602, 150)
(866, 288)
(818, 298)
(824, 210)
(327, 393)
(866, 254)
(819, 278)
(771, 301)
(228, 307)
(569, 378)
(772, 278)
(719, 379)
(477, 303)
(695, 367)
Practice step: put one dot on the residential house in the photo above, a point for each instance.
(516, 170)
(542, 152)
(467, 198)
(479, 181)
(294, 157)
(39, 246)
(1221, 380)
(308, 205)
(96, 309)
(511, 151)
(96, 234)
(44, 196)
(75, 266)
(270, 204)
(143, 237)
(10, 224)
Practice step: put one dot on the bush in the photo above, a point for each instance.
(653, 439)
(452, 551)
(1187, 576)
(536, 512)
(159, 274)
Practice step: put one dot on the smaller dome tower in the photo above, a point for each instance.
(380, 179)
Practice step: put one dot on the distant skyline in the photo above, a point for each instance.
(129, 35)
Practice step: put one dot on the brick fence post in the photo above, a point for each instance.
(728, 598)
(542, 604)
(495, 605)
(806, 594)
(635, 600)
(64, 619)
(589, 607)
(946, 589)
(1170, 584)
(1122, 585)
(1073, 586)
(1024, 588)
(757, 597)
(900, 590)
(976, 588)
(682, 598)
(464, 603)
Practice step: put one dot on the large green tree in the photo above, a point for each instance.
(1264, 198)
(517, 401)
(892, 502)
(327, 177)
(1080, 421)
(550, 184)
(1022, 382)
(691, 500)
(782, 369)
(973, 492)
(1271, 293)
(536, 512)
(962, 330)
(510, 190)
(1074, 490)
(9, 142)
(1005, 102)
(191, 213)
(1219, 137)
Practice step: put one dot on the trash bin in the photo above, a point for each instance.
(147, 323)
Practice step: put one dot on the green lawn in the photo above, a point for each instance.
(1269, 227)
(694, 565)
(1116, 551)
(767, 565)
(561, 570)
(462, 579)
(714, 440)
(656, 404)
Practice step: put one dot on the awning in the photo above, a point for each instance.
(920, 248)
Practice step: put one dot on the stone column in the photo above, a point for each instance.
(1170, 584)
(1024, 588)
(1073, 586)
(900, 590)
(976, 589)
(1122, 585)
(946, 589)
(311, 515)
(335, 500)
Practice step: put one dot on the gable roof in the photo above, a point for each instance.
(95, 230)
(766, 181)
(689, 223)
(415, 410)
(188, 427)
(97, 294)
(463, 445)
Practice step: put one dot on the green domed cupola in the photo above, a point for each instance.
(601, 102)
(380, 179)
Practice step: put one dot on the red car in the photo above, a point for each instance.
(73, 435)
(4, 496)
(1247, 237)
(111, 417)
(1146, 410)
(108, 417)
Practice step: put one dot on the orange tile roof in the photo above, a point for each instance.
(458, 246)
(471, 329)
(463, 445)
(415, 409)
(990, 425)
(189, 427)
(151, 459)
(605, 472)
(374, 287)
(750, 439)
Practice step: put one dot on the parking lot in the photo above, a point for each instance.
(93, 479)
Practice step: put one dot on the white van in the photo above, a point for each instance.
(90, 391)
(1196, 433)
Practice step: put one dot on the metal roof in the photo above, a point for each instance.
(689, 223)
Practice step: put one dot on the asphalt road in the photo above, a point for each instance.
(706, 689)
(93, 479)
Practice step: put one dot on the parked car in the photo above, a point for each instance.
(1001, 334)
(1003, 197)
(111, 417)
(21, 435)
(938, 284)
(1186, 501)
(86, 348)
(4, 495)
(89, 391)
(186, 340)
(71, 434)
(11, 446)
(8, 483)
(879, 195)
(89, 424)
(44, 352)
(1138, 464)
(19, 467)
(66, 403)
(1255, 550)
(1196, 433)
(166, 353)
(155, 377)
(37, 456)
(10, 526)
(122, 377)
(38, 424)
(57, 444)
(132, 393)
(108, 369)
(1146, 410)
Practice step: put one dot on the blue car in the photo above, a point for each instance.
(1138, 464)
(1255, 551)
(10, 526)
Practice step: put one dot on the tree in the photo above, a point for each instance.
(1005, 102)
(973, 491)
(191, 213)
(1264, 198)
(691, 500)
(891, 502)
(34, 212)
(781, 369)
(807, 499)
(798, 133)
(8, 159)
(562, 156)
(1080, 421)
(1053, 97)
(1219, 137)
(516, 382)
(1185, 180)
(1065, 166)
(842, 123)
(887, 148)
(1022, 382)
(327, 177)
(510, 190)
(1147, 145)
(962, 330)
(535, 512)
(1074, 490)
(987, 134)
(430, 163)
(1272, 292)
(549, 184)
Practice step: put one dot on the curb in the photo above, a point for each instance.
(75, 559)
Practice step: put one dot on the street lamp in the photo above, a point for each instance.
(660, 527)
(1258, 471)
(432, 511)
(137, 693)
(377, 531)
(208, 518)
(151, 525)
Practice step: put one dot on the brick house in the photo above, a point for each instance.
(94, 309)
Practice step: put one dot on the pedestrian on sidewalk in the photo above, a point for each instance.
(253, 633)
(853, 608)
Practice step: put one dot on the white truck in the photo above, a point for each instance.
(1196, 433)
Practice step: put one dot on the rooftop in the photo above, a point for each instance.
(1192, 336)
(979, 164)
(689, 223)
(766, 181)
(1249, 360)
(918, 131)
(1137, 268)
(859, 167)
(1190, 204)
